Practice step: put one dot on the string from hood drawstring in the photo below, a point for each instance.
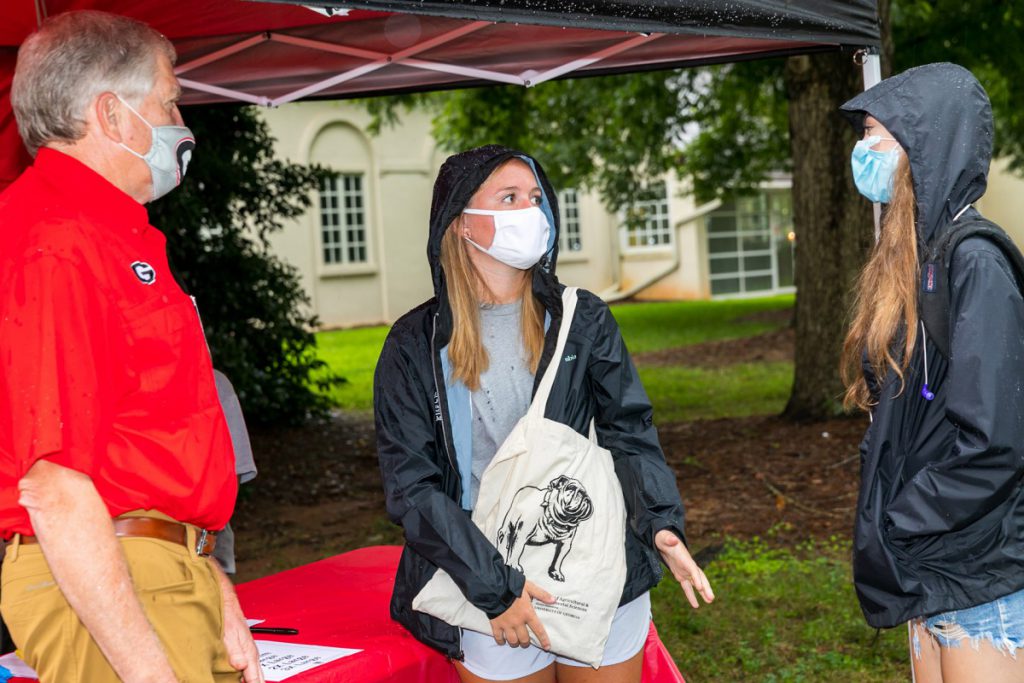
(925, 391)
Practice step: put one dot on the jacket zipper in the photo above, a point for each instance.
(202, 330)
(444, 433)
(440, 408)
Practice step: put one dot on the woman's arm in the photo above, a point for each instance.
(625, 427)
(624, 421)
(434, 524)
(984, 392)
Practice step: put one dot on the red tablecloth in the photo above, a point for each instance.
(343, 602)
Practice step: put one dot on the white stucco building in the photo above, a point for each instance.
(361, 251)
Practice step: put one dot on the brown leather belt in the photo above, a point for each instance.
(150, 527)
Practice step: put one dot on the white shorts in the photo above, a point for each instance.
(486, 659)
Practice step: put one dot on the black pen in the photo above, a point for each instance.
(274, 631)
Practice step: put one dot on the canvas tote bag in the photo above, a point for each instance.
(551, 504)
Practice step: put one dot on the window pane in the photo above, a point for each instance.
(718, 224)
(720, 265)
(756, 242)
(729, 285)
(718, 245)
(757, 283)
(753, 222)
(341, 202)
(784, 259)
(569, 217)
(761, 255)
(757, 263)
(647, 221)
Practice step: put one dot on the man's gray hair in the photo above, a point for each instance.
(73, 58)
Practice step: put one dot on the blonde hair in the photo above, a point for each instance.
(466, 291)
(886, 302)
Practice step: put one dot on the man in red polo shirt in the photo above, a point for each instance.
(115, 461)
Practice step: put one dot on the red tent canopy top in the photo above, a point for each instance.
(273, 53)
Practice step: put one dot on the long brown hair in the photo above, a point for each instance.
(466, 291)
(886, 302)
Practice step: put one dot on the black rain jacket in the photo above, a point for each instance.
(416, 423)
(940, 518)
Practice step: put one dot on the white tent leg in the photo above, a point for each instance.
(872, 69)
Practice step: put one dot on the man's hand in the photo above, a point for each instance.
(683, 568)
(65, 508)
(242, 652)
(510, 627)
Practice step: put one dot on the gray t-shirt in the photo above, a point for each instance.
(245, 466)
(505, 387)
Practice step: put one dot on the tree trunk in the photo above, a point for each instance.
(833, 224)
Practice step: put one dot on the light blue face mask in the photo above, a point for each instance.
(873, 170)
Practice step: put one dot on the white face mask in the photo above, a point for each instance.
(520, 236)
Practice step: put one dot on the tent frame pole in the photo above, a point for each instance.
(379, 60)
(871, 67)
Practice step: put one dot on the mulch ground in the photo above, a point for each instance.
(318, 492)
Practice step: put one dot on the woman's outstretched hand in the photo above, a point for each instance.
(683, 568)
(510, 627)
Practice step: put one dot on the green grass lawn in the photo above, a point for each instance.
(779, 616)
(353, 355)
(677, 393)
(666, 325)
(684, 393)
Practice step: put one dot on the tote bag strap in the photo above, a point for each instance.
(540, 399)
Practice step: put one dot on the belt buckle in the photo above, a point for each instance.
(201, 543)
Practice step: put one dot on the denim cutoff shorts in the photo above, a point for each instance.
(1001, 622)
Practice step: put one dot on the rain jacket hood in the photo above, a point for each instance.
(458, 180)
(942, 118)
(940, 517)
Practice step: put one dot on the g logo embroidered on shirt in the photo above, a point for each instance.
(145, 272)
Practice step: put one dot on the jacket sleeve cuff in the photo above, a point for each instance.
(516, 582)
(677, 529)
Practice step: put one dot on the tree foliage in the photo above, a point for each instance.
(980, 35)
(252, 304)
(727, 127)
(724, 127)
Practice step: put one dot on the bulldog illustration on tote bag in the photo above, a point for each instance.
(552, 505)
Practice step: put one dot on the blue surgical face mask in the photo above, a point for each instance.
(873, 170)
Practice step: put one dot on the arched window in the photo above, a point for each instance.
(343, 220)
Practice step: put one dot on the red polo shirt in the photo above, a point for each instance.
(103, 365)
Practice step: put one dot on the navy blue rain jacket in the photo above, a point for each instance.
(940, 518)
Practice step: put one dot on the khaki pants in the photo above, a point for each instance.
(179, 592)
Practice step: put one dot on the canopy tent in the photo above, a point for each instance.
(271, 53)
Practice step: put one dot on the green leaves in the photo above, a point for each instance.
(724, 127)
(253, 307)
(982, 36)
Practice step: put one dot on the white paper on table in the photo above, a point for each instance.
(281, 661)
(17, 667)
(252, 622)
